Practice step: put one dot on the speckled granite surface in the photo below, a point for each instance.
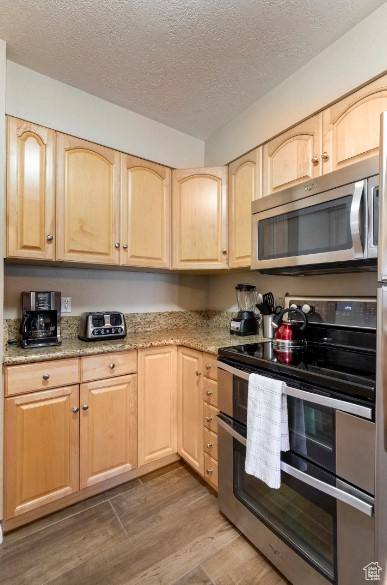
(206, 339)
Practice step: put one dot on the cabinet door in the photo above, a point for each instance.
(108, 443)
(145, 213)
(190, 407)
(199, 198)
(88, 200)
(157, 403)
(351, 127)
(293, 157)
(41, 448)
(30, 191)
(244, 187)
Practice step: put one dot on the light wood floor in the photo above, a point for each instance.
(162, 529)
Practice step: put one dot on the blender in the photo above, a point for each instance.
(246, 321)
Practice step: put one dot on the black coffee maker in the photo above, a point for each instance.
(40, 318)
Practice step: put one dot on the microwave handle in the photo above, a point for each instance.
(355, 226)
(337, 493)
(320, 399)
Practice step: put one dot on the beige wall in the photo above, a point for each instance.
(2, 201)
(352, 60)
(222, 288)
(43, 100)
(107, 289)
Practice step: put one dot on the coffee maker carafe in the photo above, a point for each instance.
(40, 318)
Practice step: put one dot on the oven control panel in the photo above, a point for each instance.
(346, 312)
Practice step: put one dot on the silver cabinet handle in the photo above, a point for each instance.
(209, 445)
(325, 156)
(112, 366)
(355, 214)
(85, 407)
(117, 245)
(125, 246)
(209, 471)
(209, 393)
(198, 373)
(208, 418)
(75, 409)
(50, 237)
(315, 160)
(46, 376)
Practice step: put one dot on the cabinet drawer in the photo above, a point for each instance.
(211, 471)
(210, 391)
(108, 365)
(41, 376)
(211, 444)
(210, 366)
(210, 413)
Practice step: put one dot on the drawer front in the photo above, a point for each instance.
(211, 444)
(210, 391)
(210, 366)
(108, 365)
(211, 471)
(210, 413)
(41, 376)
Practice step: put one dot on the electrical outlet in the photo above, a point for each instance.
(66, 305)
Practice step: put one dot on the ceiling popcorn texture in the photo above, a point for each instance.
(190, 64)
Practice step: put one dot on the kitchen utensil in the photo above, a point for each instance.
(268, 299)
(263, 309)
(289, 334)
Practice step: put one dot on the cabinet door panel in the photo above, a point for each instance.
(351, 127)
(157, 404)
(41, 448)
(30, 191)
(88, 199)
(288, 159)
(200, 218)
(145, 215)
(244, 187)
(190, 407)
(108, 429)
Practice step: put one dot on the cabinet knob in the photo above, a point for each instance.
(209, 471)
(46, 376)
(325, 156)
(208, 418)
(208, 366)
(315, 160)
(85, 407)
(209, 392)
(117, 245)
(198, 373)
(75, 409)
(50, 237)
(112, 366)
(209, 445)
(125, 246)
(224, 252)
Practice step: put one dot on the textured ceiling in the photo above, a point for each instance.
(191, 64)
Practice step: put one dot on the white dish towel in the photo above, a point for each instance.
(267, 429)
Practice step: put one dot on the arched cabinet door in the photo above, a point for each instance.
(293, 157)
(199, 199)
(88, 201)
(351, 127)
(244, 187)
(145, 213)
(30, 190)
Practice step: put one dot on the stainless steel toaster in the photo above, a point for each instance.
(102, 325)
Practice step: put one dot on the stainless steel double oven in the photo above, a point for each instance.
(318, 528)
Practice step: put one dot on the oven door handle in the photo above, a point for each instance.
(355, 216)
(346, 495)
(343, 405)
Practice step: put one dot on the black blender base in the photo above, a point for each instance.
(244, 326)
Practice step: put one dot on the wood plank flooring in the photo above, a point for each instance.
(163, 529)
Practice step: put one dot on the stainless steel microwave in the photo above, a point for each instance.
(325, 225)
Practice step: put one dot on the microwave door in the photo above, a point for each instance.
(382, 239)
(373, 216)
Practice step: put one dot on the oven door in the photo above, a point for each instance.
(316, 528)
(335, 434)
(323, 228)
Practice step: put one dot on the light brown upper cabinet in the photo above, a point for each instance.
(351, 127)
(30, 190)
(199, 199)
(88, 202)
(293, 157)
(145, 213)
(245, 186)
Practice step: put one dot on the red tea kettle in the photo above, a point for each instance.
(289, 334)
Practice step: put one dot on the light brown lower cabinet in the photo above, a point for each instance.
(41, 448)
(108, 429)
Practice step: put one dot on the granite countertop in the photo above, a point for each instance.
(202, 338)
